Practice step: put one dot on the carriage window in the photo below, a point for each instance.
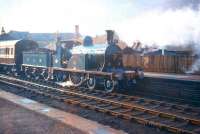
(11, 51)
(7, 51)
(2, 51)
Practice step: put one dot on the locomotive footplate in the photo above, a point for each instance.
(87, 73)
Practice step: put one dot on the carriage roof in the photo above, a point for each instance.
(8, 43)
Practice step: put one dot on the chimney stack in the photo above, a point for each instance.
(3, 31)
(77, 31)
(110, 37)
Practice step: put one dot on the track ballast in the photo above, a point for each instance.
(171, 117)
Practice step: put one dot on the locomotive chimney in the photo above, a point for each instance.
(110, 37)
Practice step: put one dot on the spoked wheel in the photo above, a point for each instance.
(34, 75)
(55, 78)
(27, 73)
(91, 83)
(44, 75)
(5, 70)
(60, 77)
(37, 77)
(64, 77)
(8, 71)
(76, 79)
(109, 85)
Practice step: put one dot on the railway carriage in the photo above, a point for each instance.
(88, 64)
(11, 54)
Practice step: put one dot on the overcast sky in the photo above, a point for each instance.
(62, 15)
(133, 19)
(93, 16)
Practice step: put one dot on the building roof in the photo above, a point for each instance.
(167, 52)
(5, 37)
(129, 50)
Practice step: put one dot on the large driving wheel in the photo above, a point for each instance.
(55, 77)
(109, 85)
(60, 77)
(76, 79)
(91, 83)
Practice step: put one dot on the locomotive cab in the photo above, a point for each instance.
(113, 58)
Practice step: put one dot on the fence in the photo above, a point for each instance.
(160, 63)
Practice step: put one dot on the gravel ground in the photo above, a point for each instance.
(117, 123)
(17, 120)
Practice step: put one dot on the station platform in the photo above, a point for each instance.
(185, 77)
(19, 115)
(175, 88)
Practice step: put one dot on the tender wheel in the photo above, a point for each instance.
(76, 79)
(37, 77)
(34, 74)
(91, 83)
(44, 75)
(109, 85)
(27, 73)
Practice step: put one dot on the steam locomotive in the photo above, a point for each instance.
(88, 64)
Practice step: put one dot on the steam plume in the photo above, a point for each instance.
(171, 27)
(176, 24)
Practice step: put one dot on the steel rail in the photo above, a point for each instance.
(183, 110)
(142, 115)
(143, 102)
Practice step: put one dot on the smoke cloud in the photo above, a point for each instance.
(177, 23)
(177, 27)
(178, 4)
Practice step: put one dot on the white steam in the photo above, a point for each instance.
(195, 67)
(180, 27)
(177, 27)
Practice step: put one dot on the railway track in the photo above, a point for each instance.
(182, 110)
(173, 118)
